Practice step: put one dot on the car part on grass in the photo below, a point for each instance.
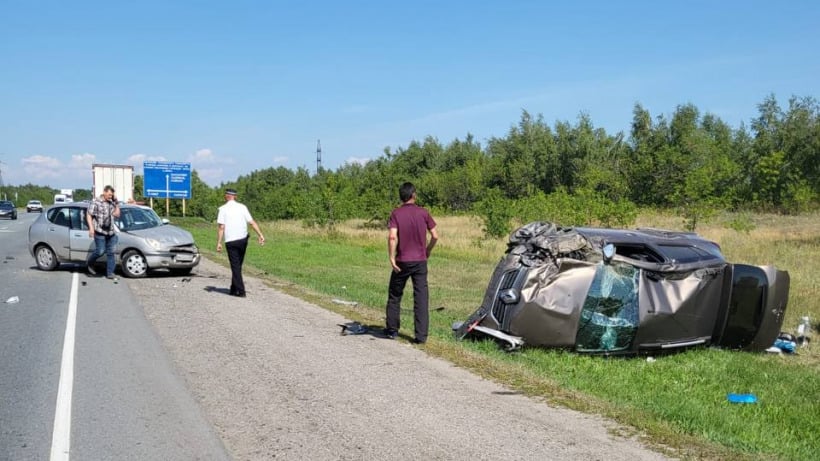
(610, 291)
(344, 303)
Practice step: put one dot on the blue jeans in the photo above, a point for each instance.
(104, 244)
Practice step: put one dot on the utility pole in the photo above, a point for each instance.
(318, 156)
(1, 179)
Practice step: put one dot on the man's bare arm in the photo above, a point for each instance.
(433, 240)
(392, 243)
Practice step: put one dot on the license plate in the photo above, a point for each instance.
(184, 258)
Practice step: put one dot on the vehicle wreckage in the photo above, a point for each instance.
(626, 292)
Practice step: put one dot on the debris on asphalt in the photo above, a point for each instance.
(13, 300)
(353, 328)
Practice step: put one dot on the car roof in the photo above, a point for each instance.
(670, 245)
(86, 204)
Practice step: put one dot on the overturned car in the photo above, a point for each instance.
(608, 291)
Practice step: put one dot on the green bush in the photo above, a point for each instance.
(497, 213)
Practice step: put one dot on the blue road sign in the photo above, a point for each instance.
(166, 179)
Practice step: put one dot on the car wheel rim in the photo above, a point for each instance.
(136, 265)
(44, 257)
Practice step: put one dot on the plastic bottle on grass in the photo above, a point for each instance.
(741, 398)
(804, 331)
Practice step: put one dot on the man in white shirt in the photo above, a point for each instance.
(233, 220)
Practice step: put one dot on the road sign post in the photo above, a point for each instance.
(167, 180)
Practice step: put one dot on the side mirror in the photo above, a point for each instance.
(609, 253)
(165, 221)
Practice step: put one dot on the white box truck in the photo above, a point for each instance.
(120, 177)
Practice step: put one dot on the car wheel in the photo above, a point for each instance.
(45, 258)
(14, 216)
(134, 265)
(182, 271)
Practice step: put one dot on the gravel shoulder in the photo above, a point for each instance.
(277, 380)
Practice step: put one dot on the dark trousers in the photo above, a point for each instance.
(236, 256)
(104, 244)
(417, 271)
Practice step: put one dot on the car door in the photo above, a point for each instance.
(58, 229)
(81, 244)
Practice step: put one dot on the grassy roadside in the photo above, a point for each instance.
(677, 401)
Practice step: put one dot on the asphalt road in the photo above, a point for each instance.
(278, 381)
(119, 396)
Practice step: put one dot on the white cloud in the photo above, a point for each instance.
(203, 156)
(211, 176)
(208, 159)
(137, 161)
(280, 160)
(82, 161)
(358, 160)
(41, 167)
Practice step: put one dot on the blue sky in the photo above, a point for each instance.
(238, 86)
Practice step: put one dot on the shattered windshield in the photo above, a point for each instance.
(609, 317)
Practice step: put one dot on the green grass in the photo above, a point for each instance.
(677, 401)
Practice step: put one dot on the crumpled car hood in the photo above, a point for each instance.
(167, 235)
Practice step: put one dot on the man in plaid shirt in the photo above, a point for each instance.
(100, 217)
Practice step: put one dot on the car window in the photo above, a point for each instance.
(61, 217)
(78, 219)
(684, 253)
(137, 218)
(609, 317)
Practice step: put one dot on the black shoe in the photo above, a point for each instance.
(390, 334)
(419, 341)
(91, 271)
(240, 295)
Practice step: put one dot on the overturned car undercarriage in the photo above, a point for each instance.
(609, 291)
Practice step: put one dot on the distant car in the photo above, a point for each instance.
(7, 209)
(146, 242)
(626, 292)
(34, 205)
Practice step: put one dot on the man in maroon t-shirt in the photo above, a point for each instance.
(408, 250)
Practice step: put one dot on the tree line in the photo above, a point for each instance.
(570, 173)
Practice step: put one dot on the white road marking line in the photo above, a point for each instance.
(61, 438)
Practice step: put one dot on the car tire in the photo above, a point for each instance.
(181, 271)
(134, 265)
(45, 258)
